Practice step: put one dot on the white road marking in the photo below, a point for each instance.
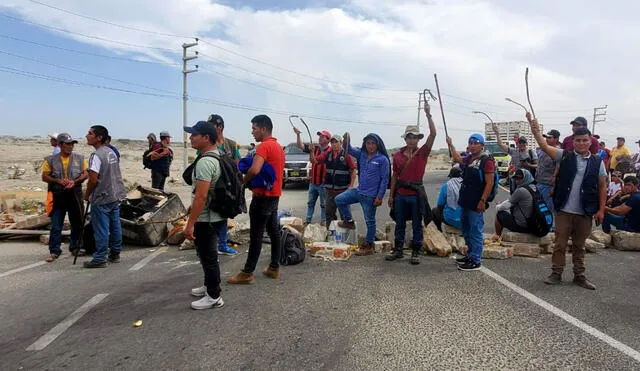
(63, 326)
(565, 316)
(149, 258)
(22, 268)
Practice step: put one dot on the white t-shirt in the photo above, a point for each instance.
(613, 188)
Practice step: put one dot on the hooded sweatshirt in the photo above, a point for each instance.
(520, 204)
(373, 172)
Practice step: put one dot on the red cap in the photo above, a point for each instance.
(325, 133)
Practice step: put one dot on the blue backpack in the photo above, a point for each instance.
(496, 176)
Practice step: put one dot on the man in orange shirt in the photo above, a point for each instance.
(263, 211)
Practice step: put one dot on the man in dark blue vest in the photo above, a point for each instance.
(579, 196)
(161, 157)
(340, 174)
(477, 184)
(65, 172)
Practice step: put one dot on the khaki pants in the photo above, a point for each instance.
(578, 227)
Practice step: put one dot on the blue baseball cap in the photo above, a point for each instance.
(477, 137)
(202, 128)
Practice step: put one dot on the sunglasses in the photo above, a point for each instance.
(474, 141)
(410, 136)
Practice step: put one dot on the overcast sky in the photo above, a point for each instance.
(359, 64)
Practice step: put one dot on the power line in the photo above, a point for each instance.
(254, 84)
(89, 36)
(107, 22)
(84, 72)
(86, 53)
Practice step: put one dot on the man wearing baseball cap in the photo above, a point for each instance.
(318, 171)
(53, 140)
(229, 148)
(477, 184)
(545, 175)
(161, 156)
(64, 173)
(618, 152)
(577, 124)
(340, 175)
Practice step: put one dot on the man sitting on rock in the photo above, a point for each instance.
(447, 210)
(625, 217)
(514, 212)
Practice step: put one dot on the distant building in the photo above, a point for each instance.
(511, 129)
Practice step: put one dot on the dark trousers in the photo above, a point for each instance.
(331, 208)
(263, 213)
(438, 218)
(63, 203)
(206, 242)
(157, 180)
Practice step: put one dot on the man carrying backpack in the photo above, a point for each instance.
(263, 212)
(521, 157)
(204, 224)
(229, 148)
(478, 188)
(407, 197)
(514, 213)
(580, 195)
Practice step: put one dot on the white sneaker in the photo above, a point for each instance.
(207, 302)
(199, 291)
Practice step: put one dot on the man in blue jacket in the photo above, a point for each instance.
(373, 171)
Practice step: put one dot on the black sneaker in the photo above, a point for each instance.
(553, 279)
(463, 260)
(469, 266)
(584, 283)
(415, 258)
(395, 255)
(114, 258)
(95, 264)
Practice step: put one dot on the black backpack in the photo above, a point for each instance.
(496, 176)
(292, 250)
(146, 160)
(228, 191)
(541, 219)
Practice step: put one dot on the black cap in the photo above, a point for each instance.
(65, 138)
(552, 134)
(522, 140)
(519, 174)
(216, 120)
(580, 121)
(202, 128)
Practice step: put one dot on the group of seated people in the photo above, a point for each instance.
(622, 209)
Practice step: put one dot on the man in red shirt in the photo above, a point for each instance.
(340, 174)
(577, 123)
(263, 211)
(408, 197)
(318, 171)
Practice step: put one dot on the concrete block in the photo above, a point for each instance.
(626, 241)
(509, 236)
(526, 249)
(44, 238)
(601, 237)
(314, 233)
(435, 242)
(497, 252)
(593, 246)
(383, 246)
(447, 229)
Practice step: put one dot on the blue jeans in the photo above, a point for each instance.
(63, 204)
(473, 232)
(617, 221)
(404, 205)
(352, 196)
(223, 230)
(107, 231)
(315, 191)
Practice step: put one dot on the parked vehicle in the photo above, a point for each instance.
(502, 158)
(297, 167)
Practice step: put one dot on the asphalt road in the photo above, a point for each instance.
(365, 313)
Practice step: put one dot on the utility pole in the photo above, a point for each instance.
(185, 97)
(596, 114)
(419, 102)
